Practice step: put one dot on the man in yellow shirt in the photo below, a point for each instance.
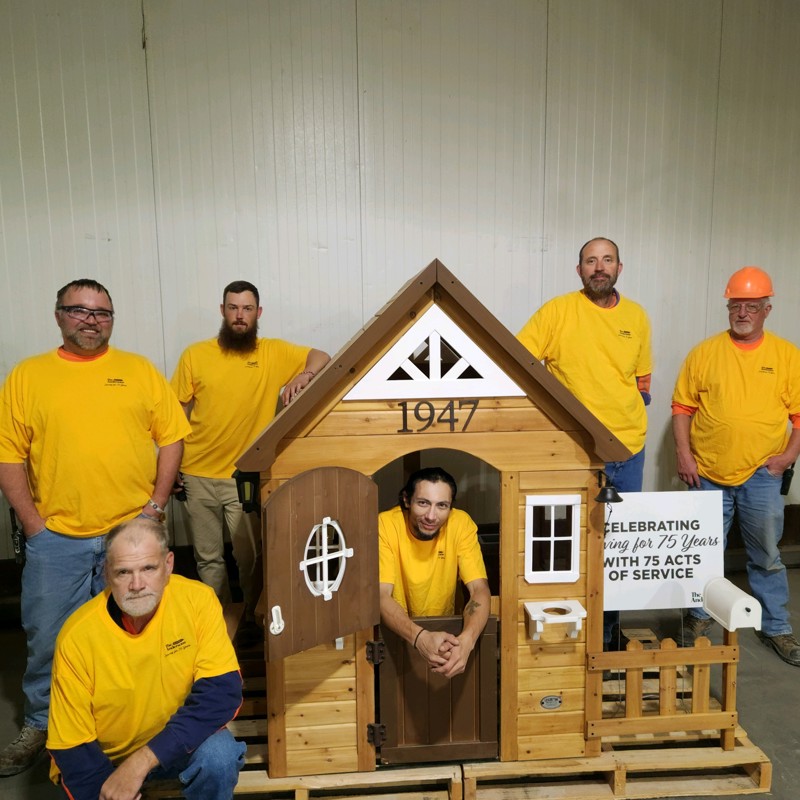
(90, 436)
(145, 680)
(229, 387)
(424, 546)
(597, 343)
(736, 399)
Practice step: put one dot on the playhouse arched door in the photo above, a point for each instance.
(320, 535)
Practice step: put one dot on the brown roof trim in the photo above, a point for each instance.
(436, 284)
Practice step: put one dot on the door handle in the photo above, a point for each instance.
(277, 625)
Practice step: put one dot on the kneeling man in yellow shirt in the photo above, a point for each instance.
(145, 680)
(425, 545)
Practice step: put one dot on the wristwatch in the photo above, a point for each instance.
(162, 514)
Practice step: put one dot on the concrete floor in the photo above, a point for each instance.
(767, 700)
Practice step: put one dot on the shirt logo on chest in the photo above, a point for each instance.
(114, 383)
(176, 646)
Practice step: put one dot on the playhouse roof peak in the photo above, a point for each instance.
(432, 294)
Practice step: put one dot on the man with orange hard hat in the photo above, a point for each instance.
(736, 396)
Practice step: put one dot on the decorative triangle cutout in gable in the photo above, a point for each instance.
(434, 359)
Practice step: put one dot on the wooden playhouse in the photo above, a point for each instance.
(435, 370)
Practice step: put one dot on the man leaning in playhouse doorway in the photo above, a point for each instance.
(425, 546)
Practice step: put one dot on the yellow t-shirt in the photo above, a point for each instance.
(235, 396)
(88, 431)
(121, 689)
(743, 400)
(424, 573)
(597, 353)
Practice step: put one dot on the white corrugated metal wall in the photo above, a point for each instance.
(328, 150)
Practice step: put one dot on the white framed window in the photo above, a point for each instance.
(326, 555)
(552, 538)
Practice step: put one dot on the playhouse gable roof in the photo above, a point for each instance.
(439, 314)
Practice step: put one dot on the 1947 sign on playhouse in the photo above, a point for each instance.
(422, 414)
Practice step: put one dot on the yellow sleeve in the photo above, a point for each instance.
(71, 720)
(645, 365)
(536, 334)
(169, 423)
(15, 440)
(215, 653)
(387, 554)
(181, 381)
(685, 393)
(470, 558)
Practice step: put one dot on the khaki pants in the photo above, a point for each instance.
(209, 502)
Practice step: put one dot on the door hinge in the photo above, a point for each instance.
(376, 733)
(376, 652)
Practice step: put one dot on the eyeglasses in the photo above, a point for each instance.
(82, 314)
(750, 308)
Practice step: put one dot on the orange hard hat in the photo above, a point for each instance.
(749, 282)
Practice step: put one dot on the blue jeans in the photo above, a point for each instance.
(61, 573)
(211, 772)
(759, 504)
(208, 773)
(627, 476)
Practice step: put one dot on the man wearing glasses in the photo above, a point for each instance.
(79, 428)
(734, 400)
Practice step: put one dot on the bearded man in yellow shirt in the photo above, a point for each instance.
(424, 546)
(229, 387)
(597, 343)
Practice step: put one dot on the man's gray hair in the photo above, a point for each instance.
(137, 525)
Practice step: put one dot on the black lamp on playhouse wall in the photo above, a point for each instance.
(608, 492)
(247, 486)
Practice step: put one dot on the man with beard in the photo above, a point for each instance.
(144, 681)
(597, 343)
(229, 388)
(736, 399)
(79, 428)
(424, 545)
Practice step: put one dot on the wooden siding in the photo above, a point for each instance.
(553, 665)
(386, 417)
(542, 450)
(311, 702)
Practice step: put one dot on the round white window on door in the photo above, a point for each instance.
(325, 558)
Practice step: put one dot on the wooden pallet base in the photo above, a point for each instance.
(622, 771)
(628, 771)
(414, 783)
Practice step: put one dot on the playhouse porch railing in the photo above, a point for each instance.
(672, 714)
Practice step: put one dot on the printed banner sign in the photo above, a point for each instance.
(661, 548)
